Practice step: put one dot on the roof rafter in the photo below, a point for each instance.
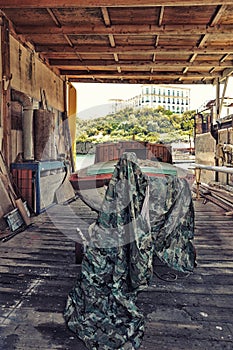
(107, 3)
(106, 17)
(213, 22)
(170, 41)
(129, 29)
(125, 64)
(54, 18)
(160, 21)
(84, 74)
(134, 49)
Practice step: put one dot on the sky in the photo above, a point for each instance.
(92, 96)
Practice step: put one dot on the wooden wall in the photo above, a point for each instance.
(30, 76)
(205, 147)
(206, 153)
(225, 136)
(26, 74)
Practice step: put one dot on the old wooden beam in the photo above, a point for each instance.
(6, 94)
(134, 80)
(129, 29)
(134, 49)
(108, 3)
(142, 64)
(107, 74)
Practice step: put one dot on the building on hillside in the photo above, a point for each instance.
(170, 97)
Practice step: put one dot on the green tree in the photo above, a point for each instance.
(147, 124)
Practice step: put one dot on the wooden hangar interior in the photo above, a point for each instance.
(46, 46)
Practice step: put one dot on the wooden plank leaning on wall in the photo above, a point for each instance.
(5, 87)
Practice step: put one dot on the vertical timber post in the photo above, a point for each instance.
(223, 95)
(6, 91)
(217, 99)
(217, 117)
(67, 124)
(72, 112)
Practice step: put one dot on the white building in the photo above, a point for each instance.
(170, 97)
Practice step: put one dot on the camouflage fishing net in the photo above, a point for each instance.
(140, 217)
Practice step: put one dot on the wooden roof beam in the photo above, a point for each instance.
(218, 14)
(224, 57)
(166, 74)
(106, 16)
(58, 24)
(107, 3)
(126, 64)
(116, 58)
(157, 40)
(111, 40)
(161, 14)
(203, 79)
(193, 57)
(226, 73)
(68, 40)
(129, 29)
(223, 94)
(93, 49)
(128, 80)
(54, 18)
(203, 40)
(107, 22)
(215, 19)
(115, 55)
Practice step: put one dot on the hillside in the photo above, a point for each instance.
(148, 124)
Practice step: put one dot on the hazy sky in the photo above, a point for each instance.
(91, 94)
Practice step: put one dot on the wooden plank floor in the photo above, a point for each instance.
(38, 269)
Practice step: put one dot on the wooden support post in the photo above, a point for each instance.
(72, 111)
(6, 92)
(223, 95)
(67, 126)
(23, 211)
(217, 99)
(217, 117)
(198, 181)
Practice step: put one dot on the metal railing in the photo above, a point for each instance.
(198, 167)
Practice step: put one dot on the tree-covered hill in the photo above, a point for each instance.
(148, 124)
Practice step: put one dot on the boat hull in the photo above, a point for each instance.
(99, 174)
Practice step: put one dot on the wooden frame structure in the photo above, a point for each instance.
(130, 41)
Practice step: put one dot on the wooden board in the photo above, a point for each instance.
(22, 210)
(38, 270)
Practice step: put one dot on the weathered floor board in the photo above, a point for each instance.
(182, 311)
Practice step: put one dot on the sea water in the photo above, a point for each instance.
(84, 160)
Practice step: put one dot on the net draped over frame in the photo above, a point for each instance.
(140, 217)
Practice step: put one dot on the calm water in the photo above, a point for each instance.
(84, 160)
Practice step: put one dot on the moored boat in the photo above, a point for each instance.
(90, 182)
(99, 174)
